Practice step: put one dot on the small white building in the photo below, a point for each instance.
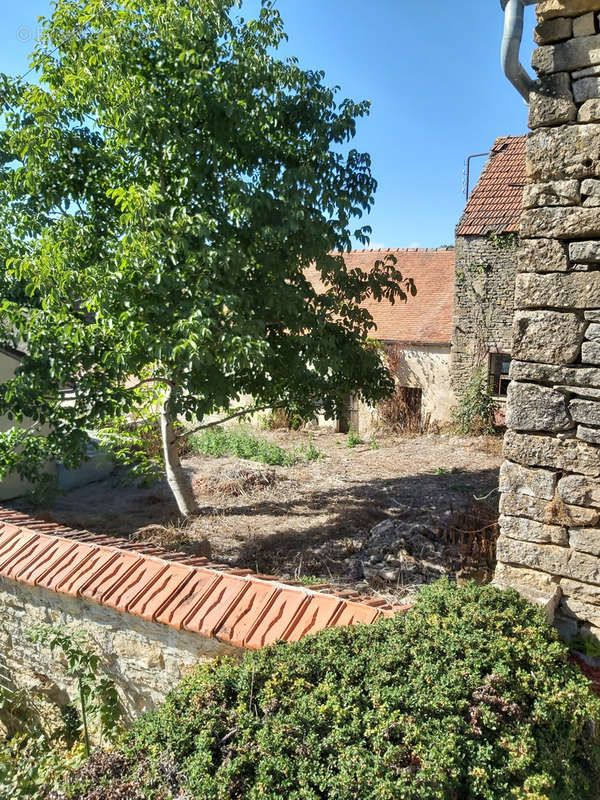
(417, 333)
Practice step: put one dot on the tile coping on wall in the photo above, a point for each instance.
(236, 606)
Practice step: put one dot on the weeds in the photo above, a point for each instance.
(219, 442)
(311, 580)
(353, 439)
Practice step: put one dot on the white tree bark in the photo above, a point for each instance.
(176, 477)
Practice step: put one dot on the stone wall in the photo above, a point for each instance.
(145, 659)
(483, 303)
(550, 525)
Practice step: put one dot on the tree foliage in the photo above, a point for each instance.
(163, 188)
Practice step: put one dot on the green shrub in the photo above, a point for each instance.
(477, 406)
(469, 696)
(219, 442)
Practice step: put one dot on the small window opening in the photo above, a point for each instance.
(499, 368)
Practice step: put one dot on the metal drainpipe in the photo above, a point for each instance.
(514, 11)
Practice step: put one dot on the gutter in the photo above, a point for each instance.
(514, 12)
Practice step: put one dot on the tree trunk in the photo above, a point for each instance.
(176, 477)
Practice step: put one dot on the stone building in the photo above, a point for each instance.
(486, 263)
(419, 331)
(549, 545)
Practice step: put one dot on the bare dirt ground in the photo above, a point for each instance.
(379, 519)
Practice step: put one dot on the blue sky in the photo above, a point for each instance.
(431, 71)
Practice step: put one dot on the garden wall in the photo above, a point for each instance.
(150, 615)
(144, 658)
(549, 545)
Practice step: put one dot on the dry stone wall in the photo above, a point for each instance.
(144, 659)
(483, 303)
(549, 546)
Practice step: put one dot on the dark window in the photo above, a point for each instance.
(499, 380)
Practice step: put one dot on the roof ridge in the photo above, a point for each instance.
(442, 249)
(173, 588)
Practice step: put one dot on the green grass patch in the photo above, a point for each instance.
(242, 443)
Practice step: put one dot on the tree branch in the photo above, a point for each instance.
(151, 380)
(237, 414)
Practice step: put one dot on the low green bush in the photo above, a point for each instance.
(219, 441)
(468, 696)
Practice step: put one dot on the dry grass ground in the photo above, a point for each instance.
(313, 520)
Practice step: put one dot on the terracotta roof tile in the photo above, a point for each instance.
(53, 556)
(62, 570)
(313, 617)
(98, 561)
(251, 607)
(272, 626)
(181, 604)
(234, 605)
(496, 203)
(102, 582)
(138, 582)
(424, 319)
(148, 603)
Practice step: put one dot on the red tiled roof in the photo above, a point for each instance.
(424, 319)
(235, 606)
(496, 203)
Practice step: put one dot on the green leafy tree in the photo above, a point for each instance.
(163, 189)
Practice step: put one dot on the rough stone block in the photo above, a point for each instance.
(540, 581)
(569, 151)
(547, 598)
(528, 530)
(585, 540)
(585, 411)
(535, 408)
(550, 9)
(585, 25)
(517, 479)
(586, 89)
(588, 72)
(579, 490)
(551, 102)
(585, 252)
(554, 513)
(580, 391)
(546, 451)
(586, 434)
(590, 352)
(583, 592)
(566, 625)
(543, 255)
(582, 611)
(556, 193)
(590, 191)
(592, 316)
(545, 557)
(589, 111)
(574, 377)
(590, 187)
(593, 331)
(560, 223)
(569, 291)
(547, 336)
(567, 56)
(553, 30)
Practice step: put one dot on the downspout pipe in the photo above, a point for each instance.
(514, 12)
